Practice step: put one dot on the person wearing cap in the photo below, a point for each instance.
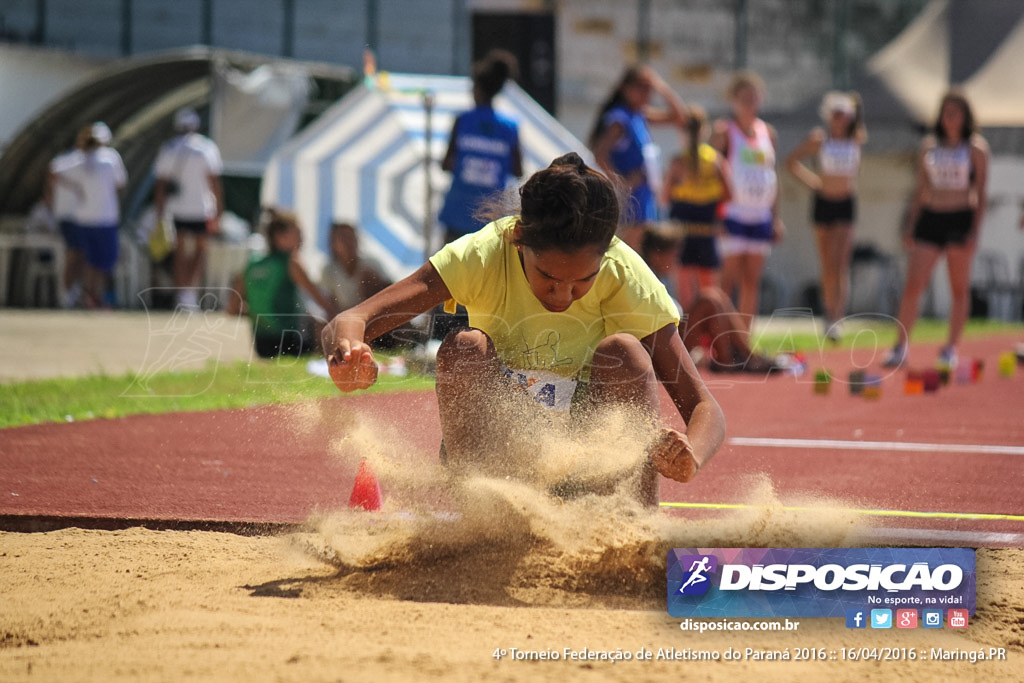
(189, 191)
(836, 147)
(95, 176)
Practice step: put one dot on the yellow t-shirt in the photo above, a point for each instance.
(483, 273)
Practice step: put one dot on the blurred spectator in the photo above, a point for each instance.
(623, 148)
(95, 176)
(350, 276)
(752, 221)
(836, 148)
(945, 217)
(695, 187)
(270, 292)
(188, 188)
(62, 201)
(483, 150)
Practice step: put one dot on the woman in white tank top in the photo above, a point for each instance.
(944, 219)
(837, 151)
(752, 220)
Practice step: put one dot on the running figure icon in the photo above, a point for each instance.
(697, 573)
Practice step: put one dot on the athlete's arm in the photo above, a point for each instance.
(448, 164)
(778, 227)
(677, 456)
(917, 200)
(979, 161)
(346, 339)
(603, 148)
(302, 280)
(794, 162)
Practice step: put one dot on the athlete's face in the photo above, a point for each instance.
(838, 123)
(637, 92)
(746, 100)
(952, 119)
(558, 278)
(288, 240)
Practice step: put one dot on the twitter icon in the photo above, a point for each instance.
(881, 618)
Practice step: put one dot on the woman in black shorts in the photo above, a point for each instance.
(836, 149)
(945, 217)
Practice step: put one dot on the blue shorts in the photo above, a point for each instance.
(758, 232)
(70, 231)
(100, 245)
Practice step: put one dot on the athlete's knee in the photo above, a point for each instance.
(464, 347)
(622, 353)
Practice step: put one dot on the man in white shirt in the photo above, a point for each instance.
(188, 188)
(96, 175)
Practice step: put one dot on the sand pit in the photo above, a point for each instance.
(441, 579)
(397, 595)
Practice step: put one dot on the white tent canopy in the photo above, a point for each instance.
(996, 90)
(916, 65)
(363, 161)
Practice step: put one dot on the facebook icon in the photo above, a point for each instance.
(856, 618)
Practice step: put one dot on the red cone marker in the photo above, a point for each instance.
(366, 489)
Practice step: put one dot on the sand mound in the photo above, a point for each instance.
(522, 537)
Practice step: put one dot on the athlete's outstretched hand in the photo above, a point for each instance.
(352, 370)
(349, 360)
(672, 455)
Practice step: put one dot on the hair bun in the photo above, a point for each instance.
(572, 160)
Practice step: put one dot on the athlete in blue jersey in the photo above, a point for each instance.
(483, 151)
(623, 147)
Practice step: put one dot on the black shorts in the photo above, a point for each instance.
(700, 251)
(288, 343)
(829, 212)
(942, 228)
(193, 227)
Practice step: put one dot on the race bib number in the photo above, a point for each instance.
(755, 187)
(546, 388)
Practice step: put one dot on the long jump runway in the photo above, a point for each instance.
(942, 468)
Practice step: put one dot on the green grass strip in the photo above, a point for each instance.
(216, 387)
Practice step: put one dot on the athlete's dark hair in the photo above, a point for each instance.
(695, 124)
(278, 221)
(491, 72)
(956, 96)
(568, 206)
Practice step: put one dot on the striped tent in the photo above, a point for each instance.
(363, 161)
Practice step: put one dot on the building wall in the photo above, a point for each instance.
(692, 43)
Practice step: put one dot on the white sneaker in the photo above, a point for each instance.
(948, 358)
(896, 357)
(188, 298)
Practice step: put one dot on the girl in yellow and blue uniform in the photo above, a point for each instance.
(696, 187)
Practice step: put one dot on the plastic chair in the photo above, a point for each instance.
(41, 278)
(131, 274)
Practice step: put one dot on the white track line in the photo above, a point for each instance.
(831, 444)
(980, 539)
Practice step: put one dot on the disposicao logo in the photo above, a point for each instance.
(818, 582)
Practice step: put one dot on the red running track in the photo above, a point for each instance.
(272, 465)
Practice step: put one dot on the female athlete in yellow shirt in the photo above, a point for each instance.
(557, 306)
